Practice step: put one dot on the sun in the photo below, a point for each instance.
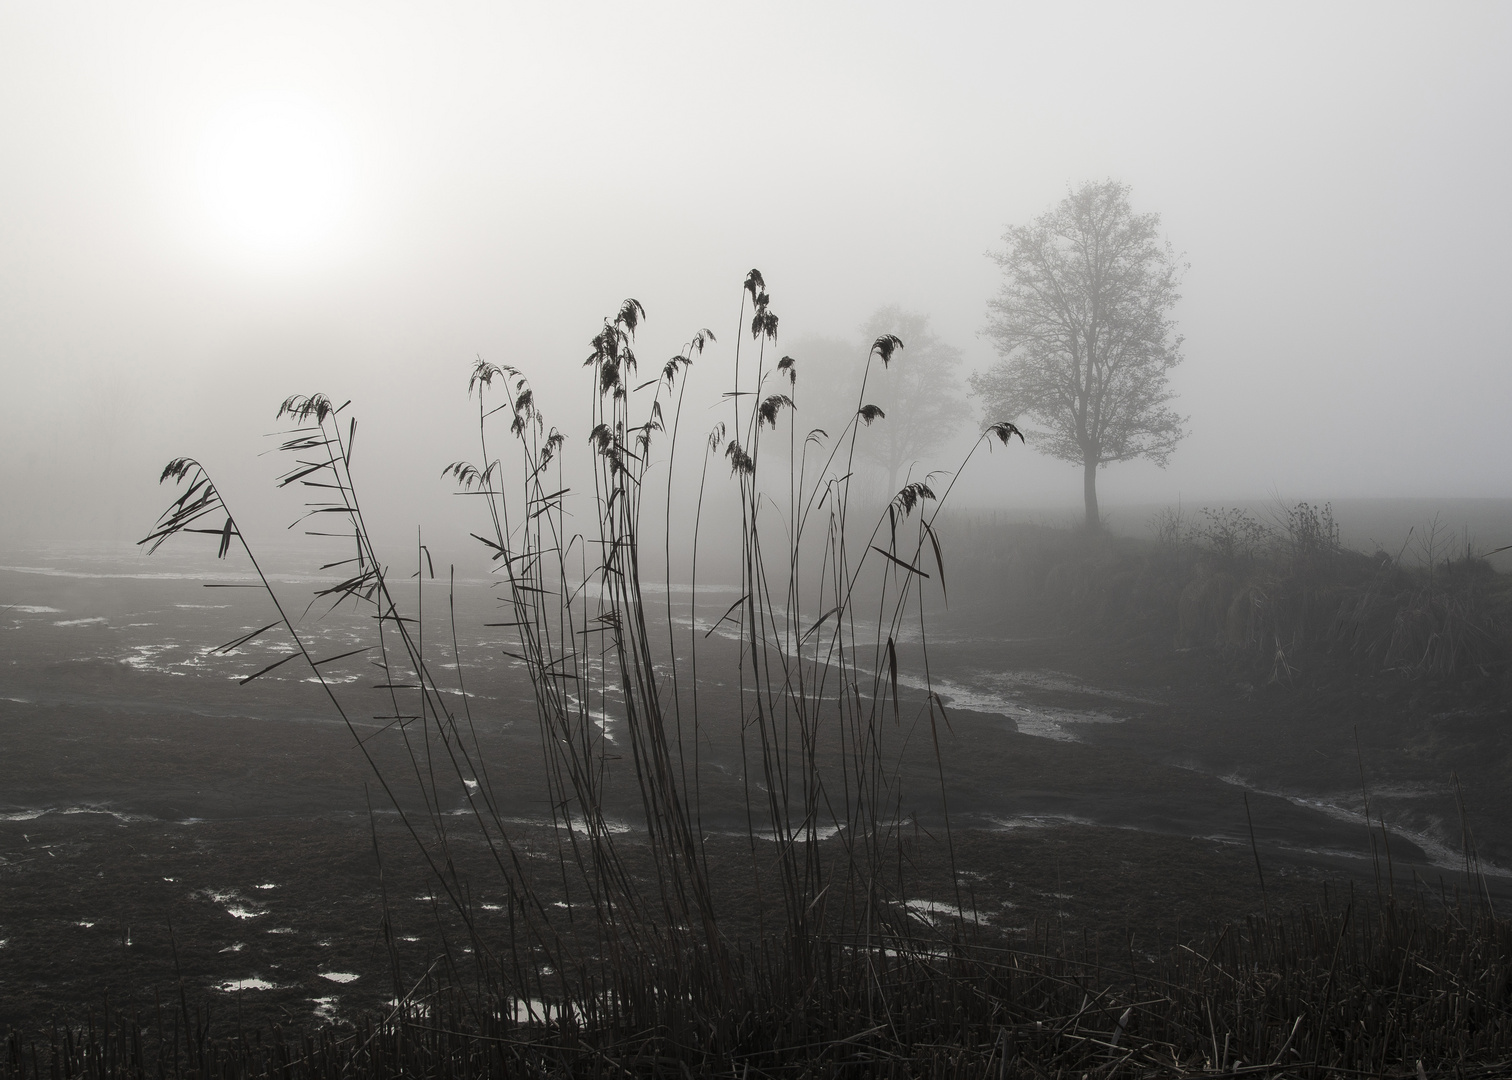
(274, 175)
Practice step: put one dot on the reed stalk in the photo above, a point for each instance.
(639, 941)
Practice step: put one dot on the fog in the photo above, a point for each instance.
(487, 181)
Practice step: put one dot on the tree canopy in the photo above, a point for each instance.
(1085, 335)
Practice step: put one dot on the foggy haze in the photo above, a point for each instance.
(477, 181)
(733, 733)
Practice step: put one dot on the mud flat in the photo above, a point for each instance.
(162, 828)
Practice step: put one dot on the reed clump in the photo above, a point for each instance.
(623, 932)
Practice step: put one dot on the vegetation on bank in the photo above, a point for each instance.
(1279, 596)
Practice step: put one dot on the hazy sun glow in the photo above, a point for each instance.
(273, 175)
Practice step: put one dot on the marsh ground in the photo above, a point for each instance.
(161, 827)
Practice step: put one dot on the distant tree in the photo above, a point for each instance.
(1084, 330)
(920, 393)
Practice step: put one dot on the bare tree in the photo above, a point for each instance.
(1084, 330)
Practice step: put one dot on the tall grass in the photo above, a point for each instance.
(637, 942)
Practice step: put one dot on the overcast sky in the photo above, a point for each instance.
(205, 208)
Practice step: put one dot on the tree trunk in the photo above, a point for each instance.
(1089, 490)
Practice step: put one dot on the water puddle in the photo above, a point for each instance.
(1039, 821)
(535, 1011)
(32, 813)
(237, 906)
(994, 694)
(934, 912)
(1442, 853)
(610, 825)
(799, 835)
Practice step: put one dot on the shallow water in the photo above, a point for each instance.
(105, 637)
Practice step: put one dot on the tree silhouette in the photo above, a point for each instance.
(1084, 330)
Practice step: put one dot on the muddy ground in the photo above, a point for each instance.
(165, 836)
